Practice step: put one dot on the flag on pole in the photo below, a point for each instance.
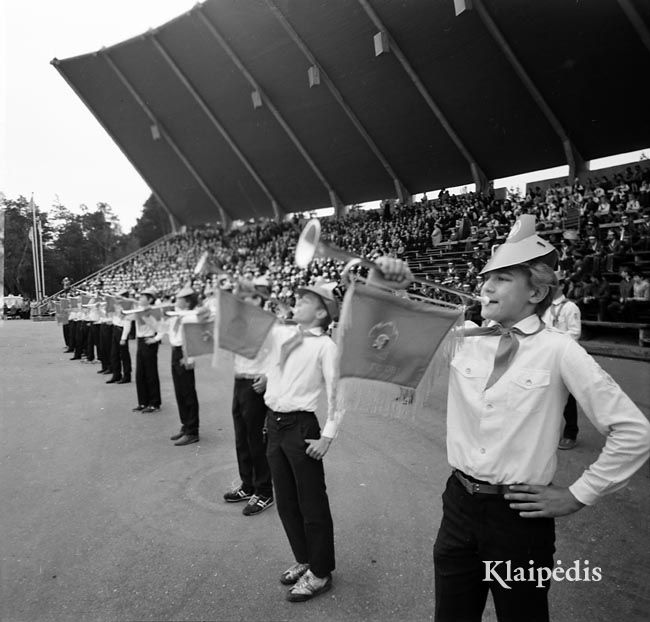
(198, 338)
(242, 327)
(387, 339)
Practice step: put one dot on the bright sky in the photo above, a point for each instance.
(50, 144)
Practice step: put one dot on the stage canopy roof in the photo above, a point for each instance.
(250, 108)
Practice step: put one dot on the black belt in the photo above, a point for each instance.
(476, 487)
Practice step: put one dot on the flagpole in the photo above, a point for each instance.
(40, 243)
(37, 284)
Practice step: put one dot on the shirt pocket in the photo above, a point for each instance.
(470, 370)
(527, 390)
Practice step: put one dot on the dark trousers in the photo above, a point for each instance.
(81, 334)
(66, 334)
(571, 419)
(249, 415)
(72, 324)
(480, 528)
(300, 491)
(185, 390)
(146, 374)
(92, 340)
(105, 341)
(120, 356)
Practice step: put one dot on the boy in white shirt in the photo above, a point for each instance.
(249, 417)
(507, 390)
(301, 362)
(564, 314)
(183, 368)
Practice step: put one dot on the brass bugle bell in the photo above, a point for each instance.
(310, 247)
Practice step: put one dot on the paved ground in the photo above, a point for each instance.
(103, 519)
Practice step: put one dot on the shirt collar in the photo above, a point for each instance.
(528, 325)
(559, 300)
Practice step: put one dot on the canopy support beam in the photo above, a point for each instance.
(213, 119)
(572, 155)
(477, 173)
(57, 65)
(637, 22)
(263, 98)
(225, 217)
(400, 188)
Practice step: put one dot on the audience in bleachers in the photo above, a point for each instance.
(446, 240)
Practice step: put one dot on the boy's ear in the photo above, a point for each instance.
(538, 294)
(321, 313)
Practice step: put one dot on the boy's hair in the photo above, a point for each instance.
(540, 275)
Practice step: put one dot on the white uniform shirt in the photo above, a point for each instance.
(145, 328)
(564, 315)
(311, 366)
(508, 434)
(173, 326)
(256, 366)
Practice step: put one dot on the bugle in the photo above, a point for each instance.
(310, 247)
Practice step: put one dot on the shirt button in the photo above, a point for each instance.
(277, 418)
(489, 406)
(529, 382)
(482, 450)
(468, 370)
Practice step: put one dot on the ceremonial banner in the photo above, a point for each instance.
(110, 304)
(124, 303)
(75, 301)
(198, 338)
(384, 338)
(65, 304)
(242, 327)
(85, 299)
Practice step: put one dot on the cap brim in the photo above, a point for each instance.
(514, 253)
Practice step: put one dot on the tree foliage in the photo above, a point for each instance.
(74, 244)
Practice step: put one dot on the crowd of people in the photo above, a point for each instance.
(601, 229)
(278, 438)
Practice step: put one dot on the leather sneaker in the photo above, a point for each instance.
(187, 439)
(291, 575)
(308, 586)
(567, 443)
(236, 495)
(257, 504)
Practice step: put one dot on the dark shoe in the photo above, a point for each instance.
(75, 358)
(234, 496)
(187, 439)
(151, 409)
(176, 436)
(124, 380)
(138, 408)
(309, 586)
(291, 575)
(68, 350)
(567, 443)
(103, 371)
(107, 371)
(113, 379)
(257, 504)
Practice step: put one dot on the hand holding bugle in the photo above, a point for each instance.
(386, 271)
